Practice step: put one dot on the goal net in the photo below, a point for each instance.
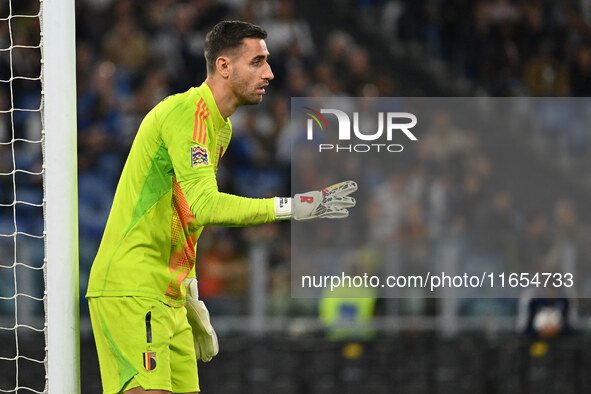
(38, 263)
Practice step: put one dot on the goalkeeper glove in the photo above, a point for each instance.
(204, 337)
(329, 203)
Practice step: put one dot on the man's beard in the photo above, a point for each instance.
(240, 88)
(249, 99)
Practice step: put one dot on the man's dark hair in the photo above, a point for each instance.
(228, 35)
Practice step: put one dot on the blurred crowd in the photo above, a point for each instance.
(509, 47)
(132, 54)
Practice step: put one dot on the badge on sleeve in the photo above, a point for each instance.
(199, 156)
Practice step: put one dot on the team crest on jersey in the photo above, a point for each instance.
(150, 360)
(199, 156)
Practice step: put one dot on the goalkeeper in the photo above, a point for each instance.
(149, 325)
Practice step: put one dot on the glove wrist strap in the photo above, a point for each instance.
(283, 208)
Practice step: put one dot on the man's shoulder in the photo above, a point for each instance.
(177, 104)
(184, 98)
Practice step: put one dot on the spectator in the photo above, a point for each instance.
(546, 314)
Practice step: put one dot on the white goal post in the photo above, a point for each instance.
(61, 209)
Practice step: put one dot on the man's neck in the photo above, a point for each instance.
(223, 97)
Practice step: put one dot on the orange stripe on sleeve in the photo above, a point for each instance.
(201, 128)
(197, 118)
(203, 131)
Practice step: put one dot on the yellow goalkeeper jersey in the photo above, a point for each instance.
(166, 194)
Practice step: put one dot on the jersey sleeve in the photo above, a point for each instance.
(194, 170)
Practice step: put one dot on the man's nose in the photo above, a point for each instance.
(268, 74)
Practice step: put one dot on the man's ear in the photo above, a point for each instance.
(222, 65)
